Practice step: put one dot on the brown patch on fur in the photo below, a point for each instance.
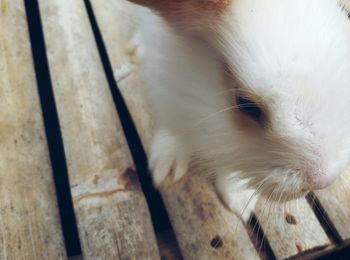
(184, 5)
(218, 5)
(188, 15)
(245, 123)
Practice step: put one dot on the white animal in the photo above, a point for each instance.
(257, 91)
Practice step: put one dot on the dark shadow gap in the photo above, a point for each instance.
(339, 254)
(52, 129)
(159, 215)
(259, 239)
(323, 218)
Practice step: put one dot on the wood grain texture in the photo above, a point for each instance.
(118, 23)
(335, 200)
(29, 221)
(291, 228)
(203, 227)
(112, 214)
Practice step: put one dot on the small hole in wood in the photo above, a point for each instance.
(216, 242)
(291, 219)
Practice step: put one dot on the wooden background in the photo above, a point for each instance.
(89, 47)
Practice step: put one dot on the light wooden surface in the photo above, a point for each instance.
(112, 214)
(118, 23)
(204, 229)
(335, 200)
(291, 228)
(29, 221)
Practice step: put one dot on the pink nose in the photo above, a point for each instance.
(319, 180)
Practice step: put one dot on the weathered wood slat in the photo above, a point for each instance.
(29, 220)
(204, 228)
(335, 200)
(112, 214)
(291, 228)
(118, 22)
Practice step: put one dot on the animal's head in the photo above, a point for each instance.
(287, 76)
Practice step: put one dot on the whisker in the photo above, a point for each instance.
(264, 207)
(214, 114)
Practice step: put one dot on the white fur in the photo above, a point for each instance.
(293, 54)
(169, 155)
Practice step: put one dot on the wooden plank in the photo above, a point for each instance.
(29, 219)
(119, 40)
(335, 200)
(203, 227)
(112, 214)
(291, 228)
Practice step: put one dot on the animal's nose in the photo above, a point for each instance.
(317, 180)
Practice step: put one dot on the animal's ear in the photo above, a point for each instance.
(186, 11)
(190, 5)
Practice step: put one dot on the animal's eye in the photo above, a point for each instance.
(250, 108)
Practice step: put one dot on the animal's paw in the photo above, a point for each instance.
(236, 197)
(168, 156)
